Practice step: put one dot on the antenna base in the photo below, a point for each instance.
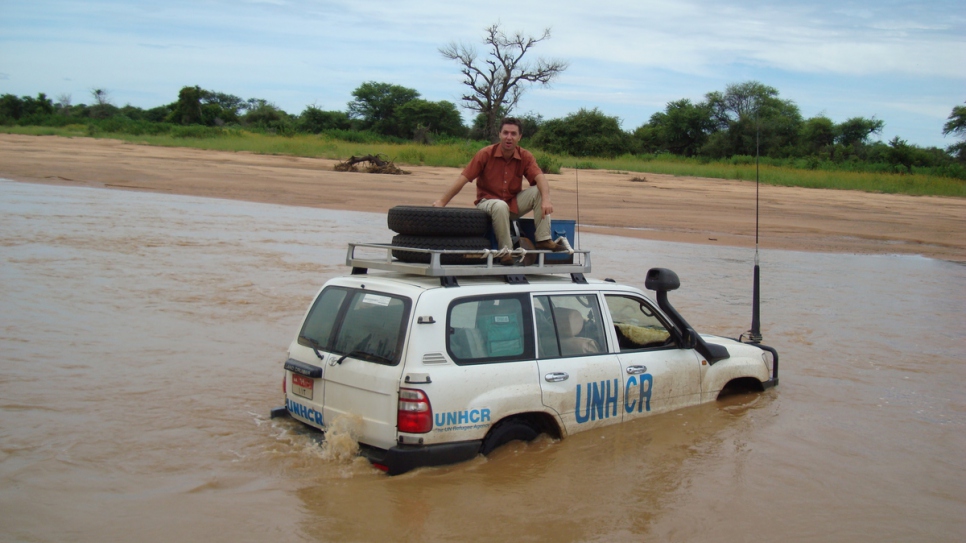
(750, 336)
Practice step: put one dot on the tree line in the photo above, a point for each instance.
(747, 119)
(744, 120)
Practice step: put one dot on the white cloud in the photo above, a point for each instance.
(627, 57)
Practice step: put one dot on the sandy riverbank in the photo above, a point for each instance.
(661, 207)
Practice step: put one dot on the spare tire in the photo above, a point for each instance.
(438, 221)
(441, 243)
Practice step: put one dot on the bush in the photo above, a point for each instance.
(314, 121)
(585, 133)
(547, 163)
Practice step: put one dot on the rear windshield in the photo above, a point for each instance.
(363, 324)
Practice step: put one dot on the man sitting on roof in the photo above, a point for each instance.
(499, 170)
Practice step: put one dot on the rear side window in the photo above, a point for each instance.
(363, 324)
(489, 329)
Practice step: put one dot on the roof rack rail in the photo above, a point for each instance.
(378, 256)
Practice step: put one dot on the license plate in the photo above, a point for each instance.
(302, 386)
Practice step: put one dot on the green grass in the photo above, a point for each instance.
(883, 182)
(458, 154)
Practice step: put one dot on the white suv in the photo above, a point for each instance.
(442, 363)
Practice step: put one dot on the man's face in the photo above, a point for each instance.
(509, 138)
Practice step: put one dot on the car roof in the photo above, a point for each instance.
(478, 284)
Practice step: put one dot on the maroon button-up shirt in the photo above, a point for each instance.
(501, 178)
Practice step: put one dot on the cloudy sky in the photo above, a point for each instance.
(898, 61)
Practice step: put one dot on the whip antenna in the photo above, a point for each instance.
(754, 335)
(577, 224)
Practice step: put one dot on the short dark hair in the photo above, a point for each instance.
(514, 121)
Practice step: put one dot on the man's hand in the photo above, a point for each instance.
(547, 208)
(451, 192)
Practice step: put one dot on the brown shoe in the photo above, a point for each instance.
(550, 245)
(506, 260)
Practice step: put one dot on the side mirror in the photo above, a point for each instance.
(661, 279)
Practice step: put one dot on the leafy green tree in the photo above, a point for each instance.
(818, 135)
(585, 133)
(15, 109)
(187, 110)
(376, 104)
(11, 108)
(199, 106)
(421, 117)
(900, 155)
(682, 128)
(158, 114)
(532, 122)
(315, 120)
(956, 125)
(648, 139)
(751, 118)
(268, 117)
(495, 84)
(857, 130)
(230, 104)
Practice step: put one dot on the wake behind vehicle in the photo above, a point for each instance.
(439, 362)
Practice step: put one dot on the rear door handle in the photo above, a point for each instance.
(556, 377)
(635, 370)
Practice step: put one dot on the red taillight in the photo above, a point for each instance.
(284, 388)
(415, 416)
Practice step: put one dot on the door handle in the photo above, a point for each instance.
(635, 370)
(556, 377)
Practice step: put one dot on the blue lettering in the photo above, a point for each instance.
(305, 412)
(598, 401)
(629, 404)
(611, 400)
(645, 395)
(460, 418)
(586, 416)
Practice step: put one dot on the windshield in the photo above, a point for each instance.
(359, 323)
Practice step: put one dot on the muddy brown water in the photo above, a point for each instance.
(141, 344)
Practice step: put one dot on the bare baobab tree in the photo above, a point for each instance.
(496, 82)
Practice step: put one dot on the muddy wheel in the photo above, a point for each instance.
(438, 221)
(441, 243)
(507, 431)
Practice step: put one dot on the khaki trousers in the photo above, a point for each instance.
(527, 200)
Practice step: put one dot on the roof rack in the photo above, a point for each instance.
(385, 261)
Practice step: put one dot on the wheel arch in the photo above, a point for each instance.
(741, 385)
(544, 423)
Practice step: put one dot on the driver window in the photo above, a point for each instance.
(636, 324)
